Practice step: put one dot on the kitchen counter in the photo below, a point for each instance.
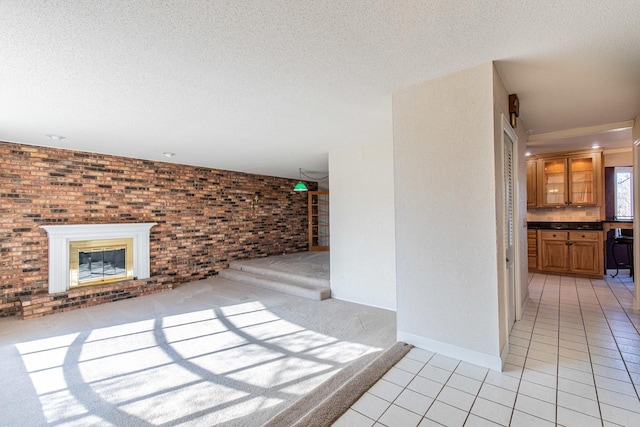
(566, 247)
(565, 225)
(611, 225)
(604, 226)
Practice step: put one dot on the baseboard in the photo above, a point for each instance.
(523, 305)
(471, 356)
(503, 355)
(339, 298)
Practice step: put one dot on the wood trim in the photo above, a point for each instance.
(318, 222)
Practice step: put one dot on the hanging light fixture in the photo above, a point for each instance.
(300, 186)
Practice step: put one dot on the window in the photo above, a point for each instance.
(624, 193)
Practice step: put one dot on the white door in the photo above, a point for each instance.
(509, 232)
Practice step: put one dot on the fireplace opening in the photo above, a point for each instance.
(94, 262)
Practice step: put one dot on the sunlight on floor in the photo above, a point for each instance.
(211, 365)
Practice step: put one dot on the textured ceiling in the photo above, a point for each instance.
(270, 86)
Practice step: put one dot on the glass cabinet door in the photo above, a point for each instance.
(554, 173)
(532, 183)
(582, 180)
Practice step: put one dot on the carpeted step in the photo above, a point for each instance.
(327, 402)
(286, 276)
(303, 290)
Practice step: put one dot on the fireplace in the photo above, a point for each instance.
(97, 262)
(96, 254)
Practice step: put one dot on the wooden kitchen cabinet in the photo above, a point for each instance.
(573, 252)
(554, 251)
(552, 181)
(586, 252)
(532, 183)
(583, 182)
(569, 180)
(532, 249)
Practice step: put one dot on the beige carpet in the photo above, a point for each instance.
(208, 353)
(331, 399)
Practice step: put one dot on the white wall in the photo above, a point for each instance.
(363, 267)
(446, 231)
(619, 157)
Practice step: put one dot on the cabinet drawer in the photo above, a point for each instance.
(554, 235)
(592, 236)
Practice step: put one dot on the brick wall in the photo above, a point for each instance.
(205, 216)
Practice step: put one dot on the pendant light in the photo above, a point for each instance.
(300, 186)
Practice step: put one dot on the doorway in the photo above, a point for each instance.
(318, 218)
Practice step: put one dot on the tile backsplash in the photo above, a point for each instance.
(584, 214)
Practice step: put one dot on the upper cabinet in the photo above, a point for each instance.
(583, 182)
(566, 180)
(552, 184)
(532, 185)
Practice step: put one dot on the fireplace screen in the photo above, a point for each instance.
(93, 262)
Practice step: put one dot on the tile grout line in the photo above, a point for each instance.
(475, 398)
(538, 302)
(558, 347)
(443, 386)
(615, 341)
(624, 310)
(590, 307)
(586, 337)
(405, 388)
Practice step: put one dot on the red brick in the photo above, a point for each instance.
(204, 216)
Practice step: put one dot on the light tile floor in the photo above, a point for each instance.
(574, 361)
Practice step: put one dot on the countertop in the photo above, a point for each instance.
(577, 225)
(565, 225)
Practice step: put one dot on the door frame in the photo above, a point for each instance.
(517, 221)
(311, 226)
(636, 222)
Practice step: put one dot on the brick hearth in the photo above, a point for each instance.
(39, 305)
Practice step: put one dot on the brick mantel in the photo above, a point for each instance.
(61, 235)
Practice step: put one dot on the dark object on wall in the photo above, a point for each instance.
(514, 109)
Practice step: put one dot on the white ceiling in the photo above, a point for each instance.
(269, 86)
(617, 136)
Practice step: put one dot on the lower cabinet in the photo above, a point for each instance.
(576, 252)
(554, 251)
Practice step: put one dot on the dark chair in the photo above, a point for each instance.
(625, 240)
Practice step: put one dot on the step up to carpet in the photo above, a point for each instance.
(268, 270)
(327, 402)
(301, 286)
